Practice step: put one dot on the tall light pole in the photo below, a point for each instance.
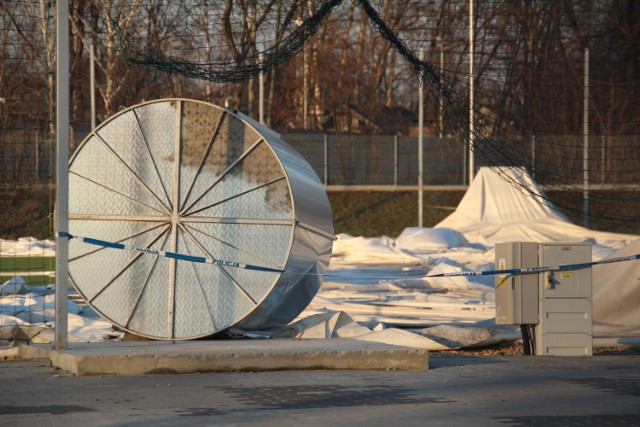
(305, 87)
(92, 84)
(261, 91)
(471, 118)
(441, 95)
(420, 142)
(585, 135)
(61, 340)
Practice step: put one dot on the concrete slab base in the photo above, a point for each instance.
(35, 351)
(161, 357)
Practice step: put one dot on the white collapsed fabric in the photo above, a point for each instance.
(366, 281)
(501, 197)
(27, 246)
(616, 296)
(382, 283)
(495, 210)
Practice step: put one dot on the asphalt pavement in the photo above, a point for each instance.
(454, 391)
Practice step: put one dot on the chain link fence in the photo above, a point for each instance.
(372, 161)
(375, 161)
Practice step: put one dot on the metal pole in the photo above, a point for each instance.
(533, 156)
(602, 160)
(395, 160)
(62, 173)
(261, 92)
(305, 90)
(585, 133)
(471, 91)
(37, 157)
(441, 100)
(326, 159)
(92, 84)
(420, 144)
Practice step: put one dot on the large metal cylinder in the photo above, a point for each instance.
(190, 178)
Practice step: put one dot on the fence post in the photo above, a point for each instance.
(37, 172)
(395, 160)
(585, 134)
(61, 341)
(420, 144)
(92, 85)
(326, 159)
(533, 156)
(602, 162)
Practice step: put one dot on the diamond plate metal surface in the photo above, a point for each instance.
(115, 193)
(189, 177)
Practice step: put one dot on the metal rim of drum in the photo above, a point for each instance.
(190, 177)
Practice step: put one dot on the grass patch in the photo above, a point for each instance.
(373, 214)
(30, 279)
(30, 268)
(27, 263)
(359, 213)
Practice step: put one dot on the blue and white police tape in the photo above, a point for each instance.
(224, 263)
(167, 254)
(533, 270)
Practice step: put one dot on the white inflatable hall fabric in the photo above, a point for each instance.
(384, 284)
(616, 296)
(495, 210)
(492, 199)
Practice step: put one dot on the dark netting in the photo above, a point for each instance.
(530, 81)
(526, 111)
(240, 67)
(27, 143)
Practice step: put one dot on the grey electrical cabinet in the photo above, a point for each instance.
(516, 295)
(565, 327)
(556, 304)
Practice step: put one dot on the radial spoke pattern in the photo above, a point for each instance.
(185, 177)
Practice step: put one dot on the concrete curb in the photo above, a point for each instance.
(161, 357)
(34, 351)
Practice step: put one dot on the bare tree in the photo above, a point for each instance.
(31, 24)
(112, 16)
(241, 21)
